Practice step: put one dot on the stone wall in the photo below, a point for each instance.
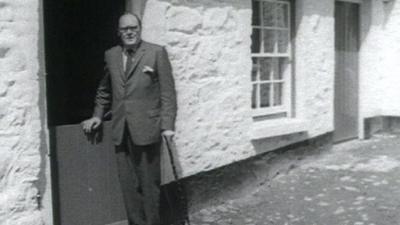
(208, 43)
(380, 50)
(371, 56)
(21, 130)
(209, 46)
(315, 64)
(391, 68)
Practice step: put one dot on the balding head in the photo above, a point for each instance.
(129, 29)
(129, 17)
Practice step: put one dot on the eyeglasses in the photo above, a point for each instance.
(129, 28)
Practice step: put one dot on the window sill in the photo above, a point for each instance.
(277, 127)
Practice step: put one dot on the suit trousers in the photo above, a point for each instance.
(139, 175)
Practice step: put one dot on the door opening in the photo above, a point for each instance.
(84, 181)
(76, 35)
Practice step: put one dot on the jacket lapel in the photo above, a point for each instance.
(138, 56)
(119, 63)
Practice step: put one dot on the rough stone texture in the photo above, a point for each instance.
(315, 60)
(391, 51)
(378, 59)
(209, 46)
(20, 124)
(371, 59)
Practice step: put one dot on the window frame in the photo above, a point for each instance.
(287, 79)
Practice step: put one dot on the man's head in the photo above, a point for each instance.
(129, 29)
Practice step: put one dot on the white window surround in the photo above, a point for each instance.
(352, 1)
(269, 128)
(283, 103)
(277, 127)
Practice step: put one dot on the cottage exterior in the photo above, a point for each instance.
(251, 76)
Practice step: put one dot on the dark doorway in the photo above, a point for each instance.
(347, 39)
(77, 32)
(84, 177)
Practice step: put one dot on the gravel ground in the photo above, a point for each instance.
(356, 182)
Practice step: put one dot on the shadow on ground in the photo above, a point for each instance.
(356, 182)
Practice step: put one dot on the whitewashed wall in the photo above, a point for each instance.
(315, 64)
(379, 59)
(20, 120)
(209, 45)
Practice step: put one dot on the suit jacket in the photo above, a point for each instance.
(144, 100)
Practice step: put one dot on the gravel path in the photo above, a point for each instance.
(355, 183)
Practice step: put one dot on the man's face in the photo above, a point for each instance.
(129, 30)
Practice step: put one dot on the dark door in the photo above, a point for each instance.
(85, 186)
(346, 70)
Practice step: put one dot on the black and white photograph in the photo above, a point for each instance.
(199, 112)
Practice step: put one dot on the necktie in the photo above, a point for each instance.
(129, 61)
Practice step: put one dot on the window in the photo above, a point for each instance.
(272, 58)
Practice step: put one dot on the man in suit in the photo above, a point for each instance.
(139, 89)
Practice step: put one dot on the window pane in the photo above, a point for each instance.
(268, 13)
(271, 67)
(254, 69)
(256, 13)
(264, 95)
(283, 41)
(278, 94)
(254, 97)
(269, 40)
(266, 68)
(282, 68)
(282, 15)
(256, 41)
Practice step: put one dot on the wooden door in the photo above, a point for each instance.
(346, 70)
(87, 180)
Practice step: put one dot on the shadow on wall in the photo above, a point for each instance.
(272, 143)
(375, 13)
(304, 9)
(381, 124)
(388, 6)
(367, 11)
(366, 20)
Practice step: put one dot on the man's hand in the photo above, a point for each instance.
(91, 124)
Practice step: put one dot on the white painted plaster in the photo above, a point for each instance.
(209, 47)
(379, 54)
(20, 123)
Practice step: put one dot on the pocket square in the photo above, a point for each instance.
(148, 69)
